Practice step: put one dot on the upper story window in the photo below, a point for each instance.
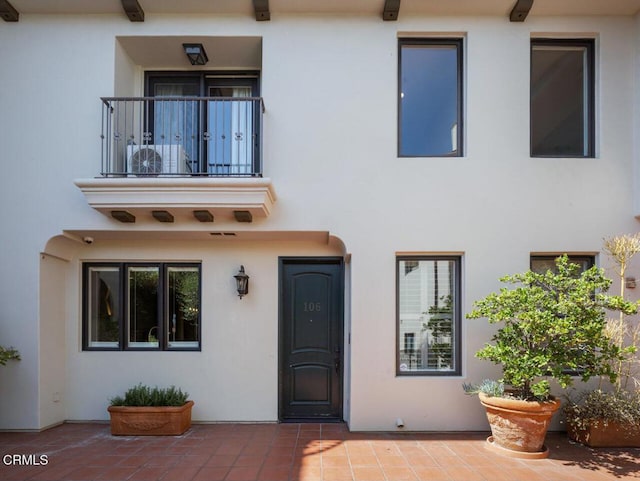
(151, 306)
(428, 337)
(430, 97)
(562, 98)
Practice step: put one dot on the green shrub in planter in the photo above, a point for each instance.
(621, 407)
(610, 417)
(142, 395)
(552, 326)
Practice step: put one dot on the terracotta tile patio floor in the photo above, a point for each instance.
(287, 452)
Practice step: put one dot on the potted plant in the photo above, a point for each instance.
(611, 417)
(552, 327)
(604, 419)
(145, 411)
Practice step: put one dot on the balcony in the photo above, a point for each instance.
(168, 136)
(181, 155)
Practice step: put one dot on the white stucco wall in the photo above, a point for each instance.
(234, 376)
(330, 88)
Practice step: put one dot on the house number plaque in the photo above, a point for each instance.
(312, 307)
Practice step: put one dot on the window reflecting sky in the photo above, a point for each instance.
(428, 100)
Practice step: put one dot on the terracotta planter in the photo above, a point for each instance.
(150, 421)
(611, 435)
(518, 428)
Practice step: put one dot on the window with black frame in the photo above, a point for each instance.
(562, 97)
(428, 315)
(546, 262)
(151, 306)
(430, 91)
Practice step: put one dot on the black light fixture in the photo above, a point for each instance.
(196, 54)
(242, 281)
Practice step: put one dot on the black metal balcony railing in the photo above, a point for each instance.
(181, 136)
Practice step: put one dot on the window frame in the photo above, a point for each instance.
(590, 97)
(162, 321)
(426, 42)
(86, 266)
(457, 316)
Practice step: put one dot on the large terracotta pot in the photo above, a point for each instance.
(150, 421)
(609, 435)
(518, 428)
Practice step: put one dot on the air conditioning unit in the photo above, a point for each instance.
(156, 159)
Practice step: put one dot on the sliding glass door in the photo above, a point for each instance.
(213, 119)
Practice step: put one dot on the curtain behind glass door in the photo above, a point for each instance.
(176, 121)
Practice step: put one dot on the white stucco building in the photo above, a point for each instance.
(374, 177)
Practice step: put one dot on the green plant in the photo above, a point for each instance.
(552, 327)
(8, 354)
(142, 395)
(490, 387)
(621, 404)
(621, 407)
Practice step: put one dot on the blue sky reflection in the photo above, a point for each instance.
(429, 100)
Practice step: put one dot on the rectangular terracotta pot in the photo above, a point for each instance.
(611, 435)
(150, 421)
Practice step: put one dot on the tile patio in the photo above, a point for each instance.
(295, 452)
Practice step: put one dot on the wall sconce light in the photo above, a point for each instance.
(196, 54)
(242, 281)
(630, 282)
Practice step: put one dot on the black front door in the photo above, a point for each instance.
(311, 339)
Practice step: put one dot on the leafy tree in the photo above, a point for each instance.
(552, 326)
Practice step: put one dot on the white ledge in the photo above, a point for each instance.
(178, 195)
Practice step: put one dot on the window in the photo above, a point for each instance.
(562, 98)
(141, 306)
(543, 263)
(430, 98)
(428, 315)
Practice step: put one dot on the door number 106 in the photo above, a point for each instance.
(311, 307)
